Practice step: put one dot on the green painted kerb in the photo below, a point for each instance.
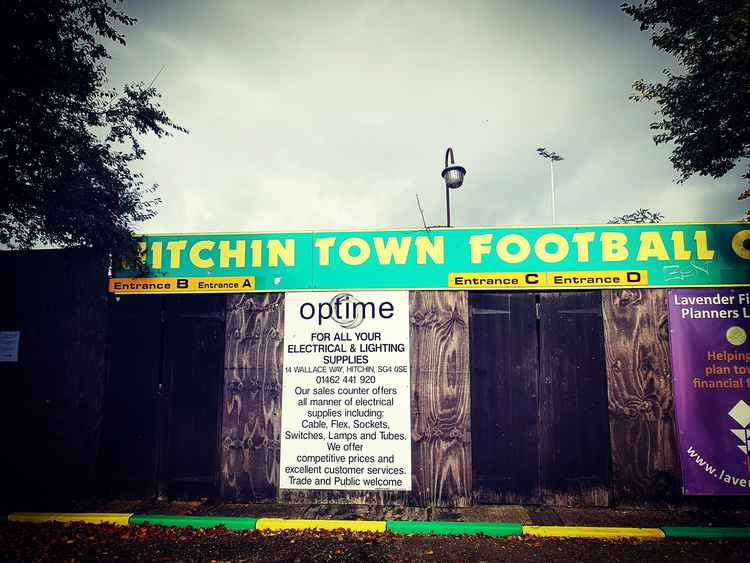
(495, 529)
(229, 522)
(700, 532)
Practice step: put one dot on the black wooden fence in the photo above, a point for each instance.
(560, 398)
(51, 400)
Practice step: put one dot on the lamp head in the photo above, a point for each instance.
(453, 174)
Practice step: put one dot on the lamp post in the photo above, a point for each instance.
(454, 177)
(553, 157)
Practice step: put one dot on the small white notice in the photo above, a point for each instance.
(9, 345)
(345, 418)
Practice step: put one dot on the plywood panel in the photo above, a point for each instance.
(504, 381)
(251, 409)
(573, 427)
(641, 407)
(254, 331)
(441, 398)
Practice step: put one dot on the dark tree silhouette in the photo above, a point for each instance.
(704, 107)
(66, 138)
(638, 216)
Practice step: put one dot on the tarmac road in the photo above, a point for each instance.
(104, 542)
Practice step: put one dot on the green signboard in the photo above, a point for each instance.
(523, 258)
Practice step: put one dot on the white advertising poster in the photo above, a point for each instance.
(345, 417)
(9, 345)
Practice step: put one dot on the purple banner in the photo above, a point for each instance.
(709, 331)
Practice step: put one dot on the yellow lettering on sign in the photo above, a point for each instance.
(738, 244)
(701, 242)
(582, 241)
(434, 248)
(324, 249)
(195, 254)
(652, 247)
(613, 247)
(678, 242)
(227, 253)
(540, 247)
(393, 249)
(345, 251)
(524, 249)
(175, 248)
(480, 245)
(256, 253)
(283, 252)
(156, 252)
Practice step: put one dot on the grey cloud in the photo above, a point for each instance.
(335, 114)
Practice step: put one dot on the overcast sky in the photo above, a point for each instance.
(333, 115)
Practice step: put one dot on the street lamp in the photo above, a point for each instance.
(454, 177)
(553, 157)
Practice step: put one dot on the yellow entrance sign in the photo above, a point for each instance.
(239, 284)
(548, 280)
(497, 280)
(605, 278)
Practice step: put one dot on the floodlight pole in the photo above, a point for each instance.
(553, 157)
(552, 182)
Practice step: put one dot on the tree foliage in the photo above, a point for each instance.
(704, 108)
(638, 216)
(67, 139)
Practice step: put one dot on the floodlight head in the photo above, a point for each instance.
(553, 156)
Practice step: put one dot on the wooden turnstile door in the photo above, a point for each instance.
(192, 385)
(573, 422)
(540, 429)
(127, 464)
(160, 432)
(504, 381)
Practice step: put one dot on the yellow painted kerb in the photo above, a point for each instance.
(90, 518)
(295, 524)
(592, 532)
